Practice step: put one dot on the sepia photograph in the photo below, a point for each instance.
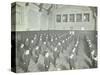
(53, 37)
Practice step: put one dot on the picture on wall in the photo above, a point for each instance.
(53, 37)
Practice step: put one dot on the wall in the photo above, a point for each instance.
(29, 18)
(73, 25)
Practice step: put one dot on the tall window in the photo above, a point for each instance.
(78, 17)
(65, 18)
(58, 18)
(86, 17)
(19, 15)
(71, 18)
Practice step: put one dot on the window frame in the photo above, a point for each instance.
(65, 18)
(58, 18)
(71, 17)
(87, 17)
(79, 17)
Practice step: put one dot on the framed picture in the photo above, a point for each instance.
(53, 37)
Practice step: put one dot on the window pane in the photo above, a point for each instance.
(65, 18)
(78, 17)
(58, 18)
(86, 17)
(71, 17)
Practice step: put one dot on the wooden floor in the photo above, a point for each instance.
(55, 50)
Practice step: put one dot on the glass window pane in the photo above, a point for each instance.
(71, 17)
(65, 18)
(78, 17)
(58, 18)
(86, 17)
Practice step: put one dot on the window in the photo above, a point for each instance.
(86, 17)
(65, 18)
(58, 18)
(19, 15)
(71, 17)
(78, 17)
